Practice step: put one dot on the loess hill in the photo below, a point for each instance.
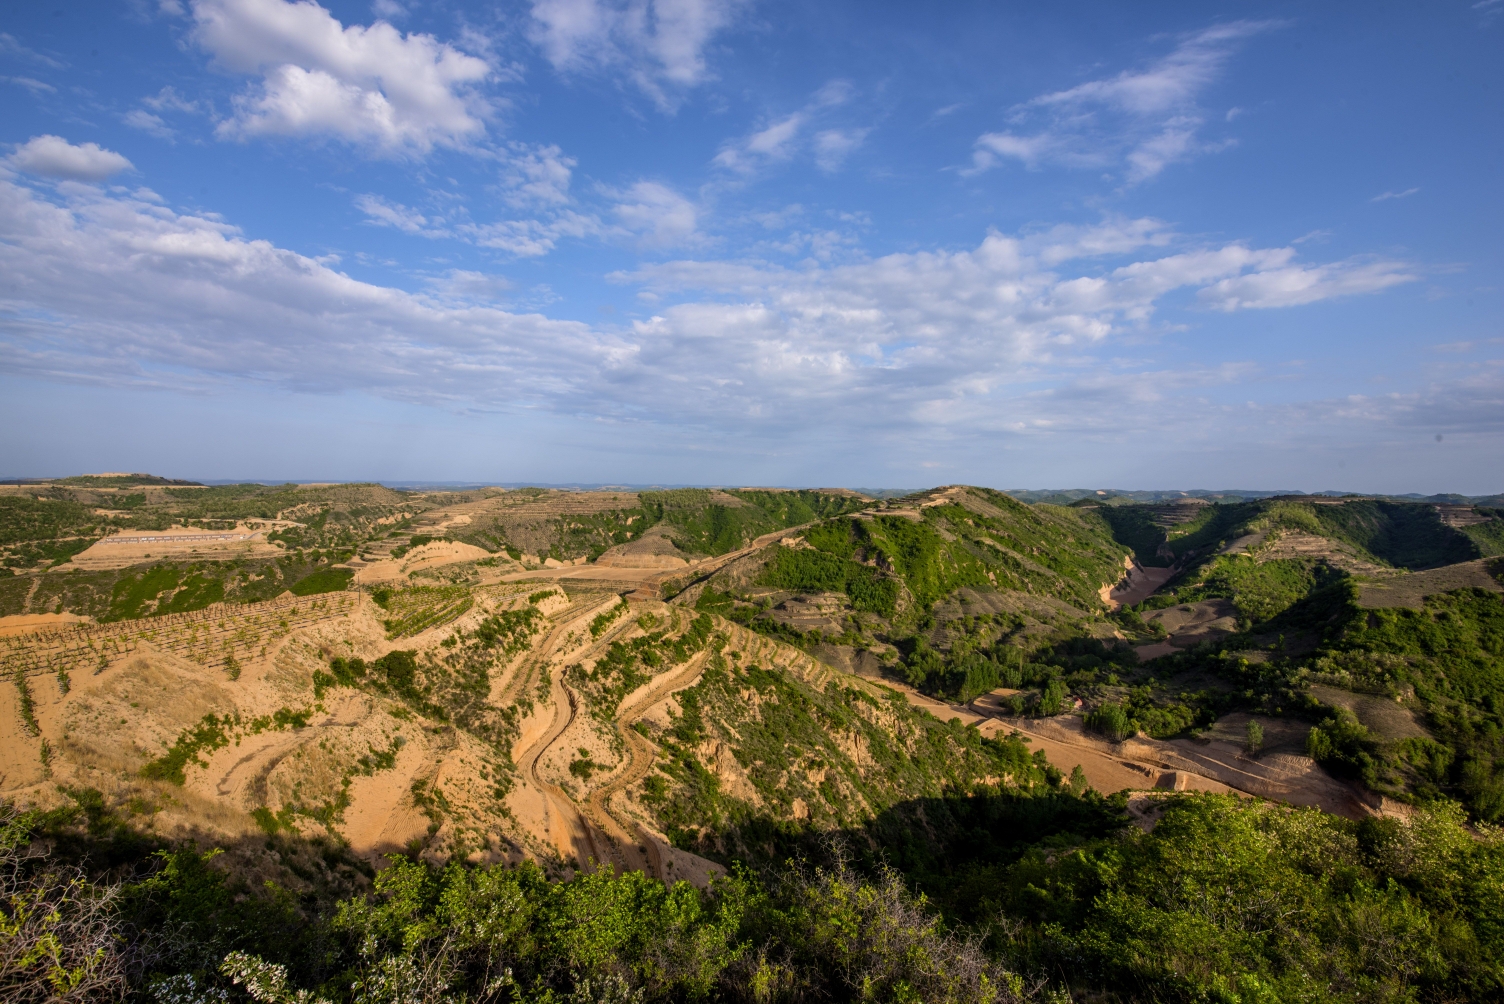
(804, 704)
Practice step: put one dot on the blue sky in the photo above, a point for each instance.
(726, 241)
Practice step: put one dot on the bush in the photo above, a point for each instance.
(1111, 720)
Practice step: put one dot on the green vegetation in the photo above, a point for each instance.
(601, 621)
(208, 735)
(37, 530)
(1260, 590)
(24, 703)
(1112, 720)
(166, 587)
(627, 665)
(793, 741)
(811, 571)
(325, 580)
(1451, 656)
(212, 733)
(418, 608)
(1003, 894)
(1234, 901)
(1487, 537)
(1401, 534)
(703, 525)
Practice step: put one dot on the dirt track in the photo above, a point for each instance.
(565, 827)
(639, 761)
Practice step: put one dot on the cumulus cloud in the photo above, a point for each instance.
(657, 215)
(1013, 335)
(1138, 121)
(372, 86)
(660, 44)
(112, 290)
(54, 157)
(535, 175)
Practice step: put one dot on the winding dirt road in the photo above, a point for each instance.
(631, 838)
(567, 828)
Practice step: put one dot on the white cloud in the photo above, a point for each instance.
(11, 46)
(1293, 285)
(383, 212)
(1144, 120)
(169, 100)
(536, 175)
(531, 238)
(1017, 335)
(781, 139)
(658, 215)
(371, 86)
(659, 43)
(34, 86)
(54, 157)
(110, 290)
(833, 146)
(464, 284)
(1386, 196)
(138, 118)
(531, 178)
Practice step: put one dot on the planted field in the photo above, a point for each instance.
(419, 608)
(222, 636)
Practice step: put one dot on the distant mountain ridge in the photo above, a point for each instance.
(1065, 496)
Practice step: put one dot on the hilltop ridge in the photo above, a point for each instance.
(701, 685)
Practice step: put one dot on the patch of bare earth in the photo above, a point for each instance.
(1411, 588)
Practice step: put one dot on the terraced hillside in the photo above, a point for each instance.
(704, 686)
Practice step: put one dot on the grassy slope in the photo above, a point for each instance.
(843, 754)
(896, 572)
(700, 525)
(1402, 535)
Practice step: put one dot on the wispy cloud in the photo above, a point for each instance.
(385, 213)
(660, 44)
(34, 86)
(533, 181)
(139, 118)
(169, 100)
(784, 137)
(11, 46)
(1386, 196)
(1138, 122)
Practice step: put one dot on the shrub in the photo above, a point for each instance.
(1052, 700)
(1111, 720)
